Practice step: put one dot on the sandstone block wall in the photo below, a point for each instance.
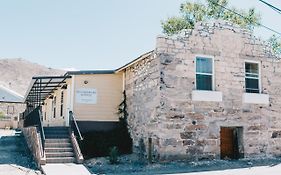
(11, 111)
(185, 129)
(33, 140)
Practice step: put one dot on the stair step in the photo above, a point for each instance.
(59, 154)
(56, 133)
(55, 128)
(57, 140)
(60, 160)
(64, 136)
(62, 149)
(57, 145)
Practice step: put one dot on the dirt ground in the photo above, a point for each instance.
(128, 164)
(15, 158)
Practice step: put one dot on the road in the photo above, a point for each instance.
(259, 170)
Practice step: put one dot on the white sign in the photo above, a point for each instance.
(86, 96)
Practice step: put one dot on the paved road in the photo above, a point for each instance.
(259, 170)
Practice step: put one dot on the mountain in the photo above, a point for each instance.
(16, 74)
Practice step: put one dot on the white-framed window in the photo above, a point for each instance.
(252, 77)
(204, 73)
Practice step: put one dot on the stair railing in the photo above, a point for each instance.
(42, 133)
(75, 132)
(74, 126)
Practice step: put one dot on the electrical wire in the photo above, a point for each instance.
(271, 6)
(257, 23)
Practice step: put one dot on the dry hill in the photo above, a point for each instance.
(16, 74)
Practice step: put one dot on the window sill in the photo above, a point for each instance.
(254, 98)
(211, 96)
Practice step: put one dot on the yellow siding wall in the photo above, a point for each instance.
(109, 89)
(48, 113)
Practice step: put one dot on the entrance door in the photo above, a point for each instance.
(229, 143)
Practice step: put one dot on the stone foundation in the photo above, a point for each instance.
(33, 140)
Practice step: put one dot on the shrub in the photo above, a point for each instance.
(113, 155)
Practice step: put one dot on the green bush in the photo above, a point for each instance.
(2, 115)
(113, 155)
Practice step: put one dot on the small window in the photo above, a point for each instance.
(61, 104)
(54, 106)
(10, 110)
(252, 77)
(204, 73)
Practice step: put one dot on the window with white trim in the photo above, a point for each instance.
(204, 73)
(252, 78)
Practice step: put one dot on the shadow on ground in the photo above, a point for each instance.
(14, 150)
(133, 167)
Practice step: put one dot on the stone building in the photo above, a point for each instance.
(211, 92)
(11, 105)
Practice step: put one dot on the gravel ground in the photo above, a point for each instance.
(129, 165)
(15, 157)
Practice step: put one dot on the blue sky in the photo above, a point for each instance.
(93, 34)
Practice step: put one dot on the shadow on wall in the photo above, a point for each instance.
(98, 143)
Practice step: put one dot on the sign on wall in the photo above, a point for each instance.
(86, 96)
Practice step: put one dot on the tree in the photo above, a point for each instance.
(275, 43)
(215, 9)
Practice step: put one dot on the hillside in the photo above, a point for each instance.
(16, 74)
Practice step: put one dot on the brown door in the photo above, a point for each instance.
(227, 143)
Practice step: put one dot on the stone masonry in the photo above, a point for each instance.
(10, 114)
(159, 95)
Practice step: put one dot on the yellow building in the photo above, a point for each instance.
(92, 96)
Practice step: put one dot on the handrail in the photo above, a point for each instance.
(42, 133)
(76, 148)
(72, 118)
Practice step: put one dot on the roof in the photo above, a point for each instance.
(7, 95)
(43, 86)
(145, 55)
(82, 72)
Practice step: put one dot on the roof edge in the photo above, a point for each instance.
(86, 72)
(134, 61)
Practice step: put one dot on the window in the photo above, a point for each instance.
(61, 104)
(54, 107)
(10, 110)
(252, 77)
(204, 73)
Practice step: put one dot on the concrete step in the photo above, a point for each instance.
(60, 160)
(56, 132)
(56, 128)
(58, 145)
(57, 141)
(59, 154)
(54, 136)
(51, 150)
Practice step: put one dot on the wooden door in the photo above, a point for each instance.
(227, 143)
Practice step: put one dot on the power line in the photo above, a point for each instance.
(257, 23)
(271, 6)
